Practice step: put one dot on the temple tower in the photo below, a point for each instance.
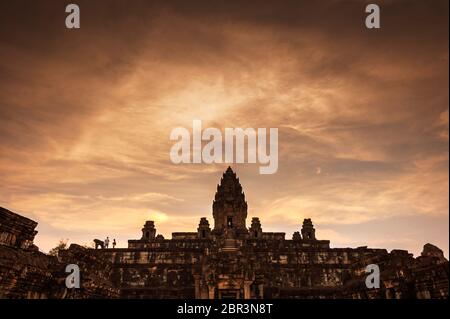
(308, 231)
(230, 207)
(296, 236)
(255, 230)
(203, 230)
(149, 230)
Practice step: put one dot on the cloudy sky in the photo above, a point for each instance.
(362, 116)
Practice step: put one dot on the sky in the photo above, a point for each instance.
(362, 116)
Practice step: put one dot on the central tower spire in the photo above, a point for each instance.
(229, 206)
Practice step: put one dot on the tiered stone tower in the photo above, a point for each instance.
(308, 231)
(203, 230)
(255, 230)
(230, 207)
(149, 230)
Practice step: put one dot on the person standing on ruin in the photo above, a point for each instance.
(107, 242)
(114, 243)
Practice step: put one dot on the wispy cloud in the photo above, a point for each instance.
(85, 117)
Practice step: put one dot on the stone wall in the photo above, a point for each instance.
(34, 275)
(16, 230)
(27, 273)
(273, 269)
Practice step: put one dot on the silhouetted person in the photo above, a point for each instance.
(114, 243)
(106, 242)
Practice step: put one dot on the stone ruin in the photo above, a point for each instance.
(227, 261)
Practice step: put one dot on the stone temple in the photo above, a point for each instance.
(229, 259)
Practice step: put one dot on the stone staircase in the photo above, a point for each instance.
(231, 245)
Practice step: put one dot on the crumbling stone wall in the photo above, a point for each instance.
(164, 271)
(27, 273)
(34, 275)
(16, 230)
(276, 269)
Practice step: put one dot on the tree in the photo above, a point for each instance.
(61, 245)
